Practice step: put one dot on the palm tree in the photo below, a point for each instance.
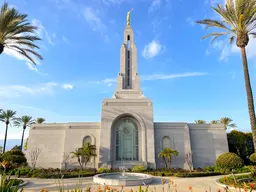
(227, 122)
(40, 120)
(167, 154)
(17, 34)
(214, 122)
(200, 121)
(7, 117)
(77, 154)
(88, 151)
(238, 23)
(24, 122)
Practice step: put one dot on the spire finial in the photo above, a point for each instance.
(128, 20)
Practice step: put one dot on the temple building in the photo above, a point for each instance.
(127, 134)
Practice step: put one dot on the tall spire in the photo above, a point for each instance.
(128, 80)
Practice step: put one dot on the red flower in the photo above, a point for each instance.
(4, 164)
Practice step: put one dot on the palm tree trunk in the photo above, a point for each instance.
(250, 101)
(166, 165)
(22, 138)
(5, 137)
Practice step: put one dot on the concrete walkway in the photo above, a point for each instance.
(201, 184)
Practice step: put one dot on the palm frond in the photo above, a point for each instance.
(231, 39)
(213, 23)
(22, 52)
(226, 16)
(17, 33)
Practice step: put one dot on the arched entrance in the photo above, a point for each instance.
(126, 140)
(126, 132)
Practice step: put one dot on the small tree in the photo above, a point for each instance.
(77, 154)
(189, 161)
(88, 151)
(167, 154)
(66, 160)
(84, 154)
(34, 154)
(200, 121)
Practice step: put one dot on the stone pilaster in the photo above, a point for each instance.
(187, 146)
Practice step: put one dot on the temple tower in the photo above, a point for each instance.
(128, 80)
(127, 118)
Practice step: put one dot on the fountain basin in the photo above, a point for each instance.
(129, 179)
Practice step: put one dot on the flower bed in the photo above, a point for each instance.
(242, 181)
(57, 173)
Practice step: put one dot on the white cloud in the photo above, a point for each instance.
(109, 81)
(227, 50)
(6, 91)
(106, 81)
(67, 86)
(32, 67)
(65, 39)
(18, 56)
(42, 32)
(171, 76)
(190, 21)
(152, 49)
(154, 5)
(93, 19)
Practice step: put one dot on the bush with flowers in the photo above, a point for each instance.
(246, 181)
(6, 183)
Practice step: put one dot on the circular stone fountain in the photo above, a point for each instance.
(127, 179)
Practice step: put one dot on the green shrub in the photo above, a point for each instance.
(15, 157)
(16, 182)
(103, 170)
(253, 173)
(244, 169)
(229, 161)
(138, 168)
(197, 174)
(253, 157)
(209, 168)
(22, 171)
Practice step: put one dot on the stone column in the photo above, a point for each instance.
(188, 149)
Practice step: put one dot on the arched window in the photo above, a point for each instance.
(126, 140)
(166, 142)
(87, 139)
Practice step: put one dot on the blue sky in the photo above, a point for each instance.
(186, 78)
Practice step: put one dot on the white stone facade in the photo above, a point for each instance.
(127, 134)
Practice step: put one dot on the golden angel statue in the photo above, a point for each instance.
(128, 19)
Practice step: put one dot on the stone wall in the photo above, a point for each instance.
(208, 141)
(205, 141)
(175, 132)
(55, 140)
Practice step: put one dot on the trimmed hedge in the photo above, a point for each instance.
(138, 168)
(197, 174)
(253, 157)
(229, 161)
(103, 170)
